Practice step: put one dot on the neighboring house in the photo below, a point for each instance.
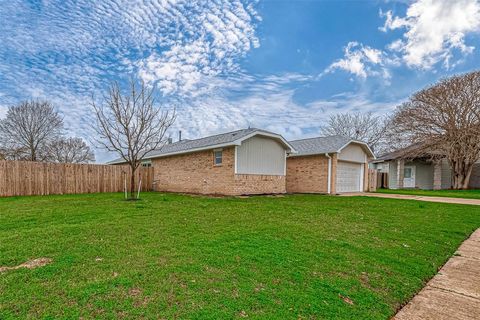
(333, 164)
(406, 171)
(249, 161)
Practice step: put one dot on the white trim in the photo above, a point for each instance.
(285, 164)
(236, 159)
(413, 175)
(310, 154)
(215, 157)
(361, 143)
(268, 134)
(329, 178)
(362, 176)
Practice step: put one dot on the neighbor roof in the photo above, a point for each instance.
(211, 142)
(413, 151)
(321, 145)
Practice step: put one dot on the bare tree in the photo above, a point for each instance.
(13, 153)
(28, 128)
(444, 120)
(131, 125)
(70, 150)
(365, 127)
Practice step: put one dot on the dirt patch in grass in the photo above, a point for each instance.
(31, 264)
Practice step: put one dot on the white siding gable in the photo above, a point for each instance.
(354, 153)
(260, 155)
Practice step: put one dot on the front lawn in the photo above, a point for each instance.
(467, 194)
(176, 256)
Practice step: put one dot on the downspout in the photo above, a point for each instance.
(329, 177)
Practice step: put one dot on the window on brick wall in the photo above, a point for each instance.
(217, 157)
(147, 163)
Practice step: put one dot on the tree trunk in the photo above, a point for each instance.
(455, 174)
(459, 180)
(461, 174)
(466, 181)
(132, 183)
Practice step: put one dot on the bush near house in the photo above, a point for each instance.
(176, 256)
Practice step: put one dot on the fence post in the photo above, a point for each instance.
(372, 180)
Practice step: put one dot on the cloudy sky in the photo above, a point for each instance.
(280, 65)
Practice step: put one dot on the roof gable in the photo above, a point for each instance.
(216, 141)
(328, 144)
(319, 145)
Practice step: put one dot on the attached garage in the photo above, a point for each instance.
(330, 165)
(349, 177)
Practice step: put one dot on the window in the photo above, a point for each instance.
(407, 173)
(217, 157)
(147, 163)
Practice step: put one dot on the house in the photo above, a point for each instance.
(249, 161)
(331, 165)
(406, 169)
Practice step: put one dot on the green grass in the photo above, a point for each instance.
(175, 256)
(467, 194)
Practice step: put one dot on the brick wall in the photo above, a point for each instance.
(259, 184)
(309, 174)
(196, 173)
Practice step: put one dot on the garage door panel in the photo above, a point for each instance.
(349, 176)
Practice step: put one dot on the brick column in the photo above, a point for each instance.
(400, 172)
(437, 175)
(333, 185)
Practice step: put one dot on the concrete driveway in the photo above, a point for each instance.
(412, 197)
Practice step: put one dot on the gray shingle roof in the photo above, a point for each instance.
(413, 151)
(185, 145)
(319, 145)
(210, 141)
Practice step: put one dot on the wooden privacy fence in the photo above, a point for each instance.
(372, 180)
(22, 178)
(382, 180)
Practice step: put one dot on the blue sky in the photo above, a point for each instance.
(279, 65)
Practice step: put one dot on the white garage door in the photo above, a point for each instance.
(349, 176)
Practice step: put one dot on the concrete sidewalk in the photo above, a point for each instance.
(454, 293)
(412, 197)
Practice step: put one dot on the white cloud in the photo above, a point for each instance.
(361, 61)
(3, 111)
(218, 36)
(435, 31)
(269, 103)
(65, 53)
(189, 49)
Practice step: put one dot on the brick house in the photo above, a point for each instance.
(333, 164)
(249, 161)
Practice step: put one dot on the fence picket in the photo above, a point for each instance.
(21, 178)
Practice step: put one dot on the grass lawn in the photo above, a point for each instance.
(175, 256)
(467, 194)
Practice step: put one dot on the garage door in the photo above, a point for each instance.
(349, 176)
